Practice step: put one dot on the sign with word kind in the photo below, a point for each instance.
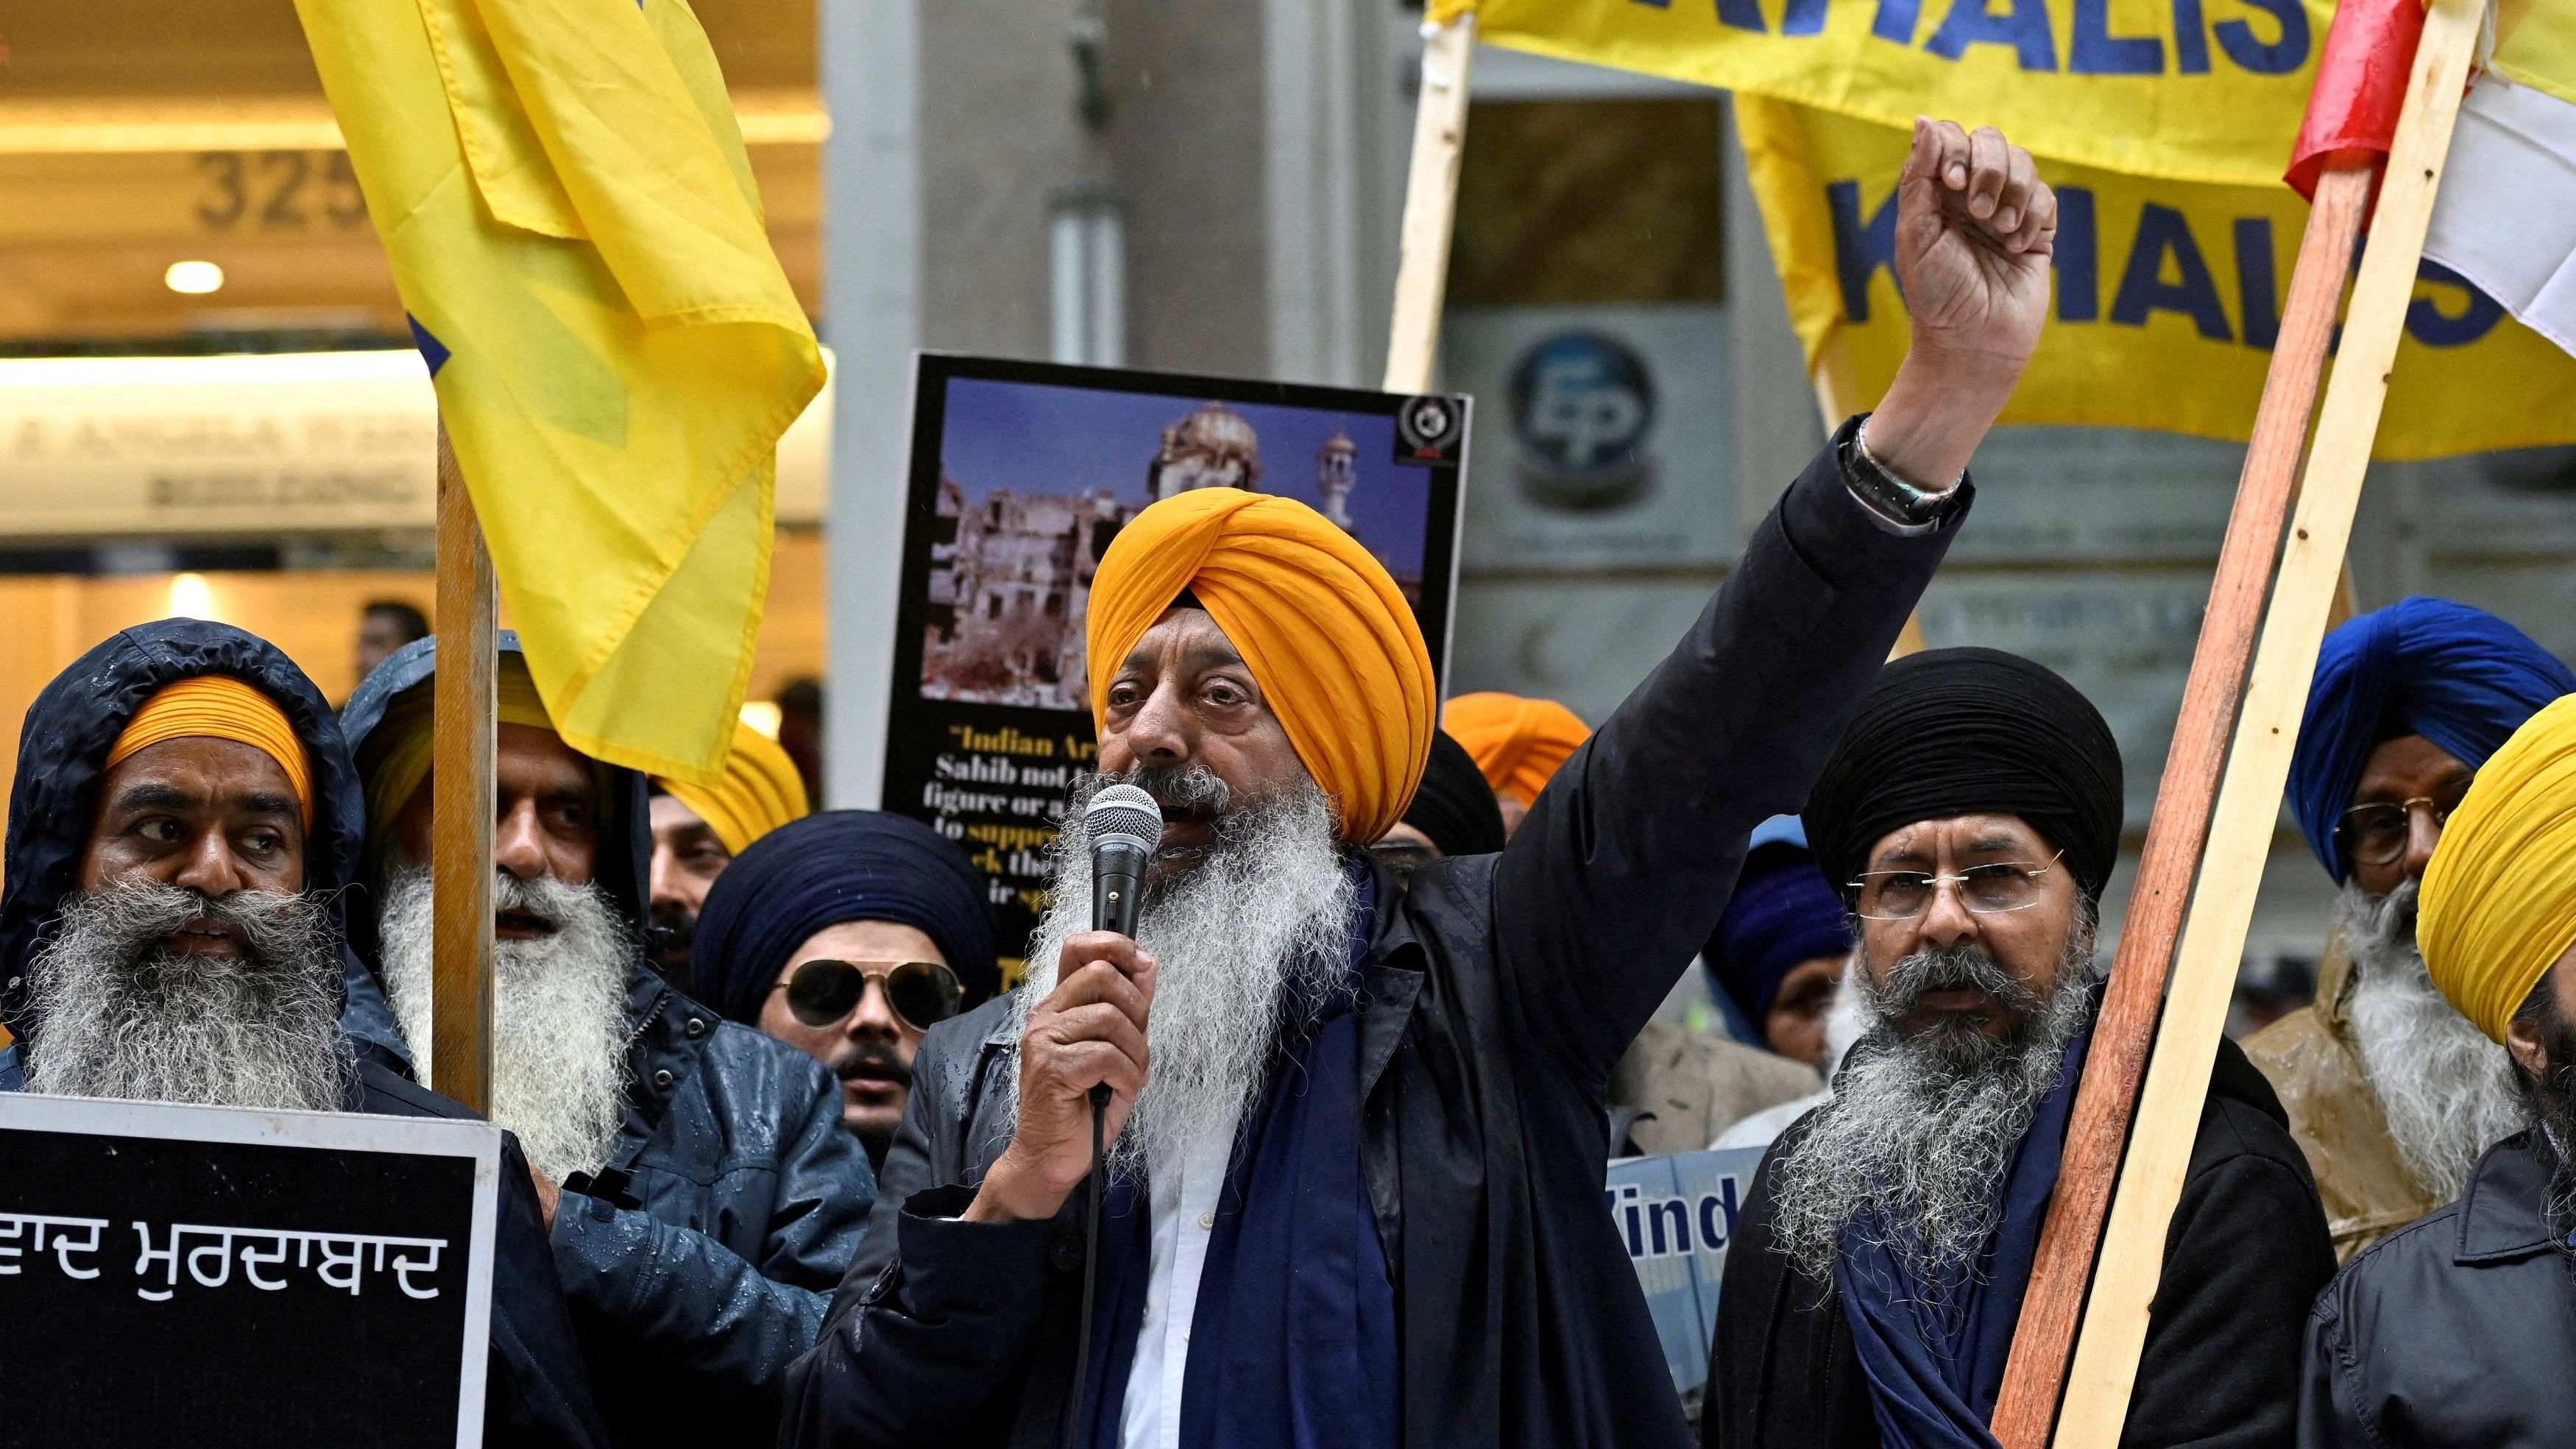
(213, 1275)
(1676, 1216)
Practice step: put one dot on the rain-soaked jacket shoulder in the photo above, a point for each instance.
(699, 1262)
(538, 1393)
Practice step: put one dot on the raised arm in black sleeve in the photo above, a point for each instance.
(1626, 860)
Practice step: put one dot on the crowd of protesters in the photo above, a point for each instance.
(786, 1163)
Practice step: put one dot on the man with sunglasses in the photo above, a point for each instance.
(2392, 1094)
(1972, 816)
(701, 1199)
(847, 935)
(1354, 1133)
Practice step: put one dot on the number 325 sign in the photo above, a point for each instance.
(278, 191)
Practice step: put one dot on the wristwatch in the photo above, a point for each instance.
(1902, 500)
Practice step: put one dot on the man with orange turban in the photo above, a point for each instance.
(184, 829)
(699, 829)
(1352, 1192)
(1517, 742)
(2458, 1328)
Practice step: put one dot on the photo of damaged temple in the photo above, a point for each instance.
(1037, 479)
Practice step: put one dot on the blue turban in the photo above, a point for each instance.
(827, 869)
(1784, 912)
(2460, 677)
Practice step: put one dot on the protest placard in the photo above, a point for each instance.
(216, 1275)
(1021, 475)
(1676, 1216)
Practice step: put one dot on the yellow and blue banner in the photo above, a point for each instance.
(2192, 90)
(563, 191)
(2167, 300)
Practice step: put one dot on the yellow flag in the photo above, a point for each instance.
(2195, 90)
(2167, 299)
(573, 225)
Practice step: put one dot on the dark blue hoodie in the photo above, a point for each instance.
(699, 1262)
(539, 1395)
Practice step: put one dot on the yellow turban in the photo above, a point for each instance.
(218, 706)
(1517, 742)
(2498, 904)
(760, 791)
(396, 767)
(1329, 638)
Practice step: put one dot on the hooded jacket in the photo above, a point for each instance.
(698, 1263)
(538, 1394)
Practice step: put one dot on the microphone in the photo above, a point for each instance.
(1126, 827)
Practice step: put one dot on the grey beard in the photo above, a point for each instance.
(1914, 1146)
(559, 1030)
(1239, 933)
(2447, 1091)
(120, 1017)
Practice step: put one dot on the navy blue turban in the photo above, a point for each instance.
(827, 869)
(2460, 677)
(1783, 913)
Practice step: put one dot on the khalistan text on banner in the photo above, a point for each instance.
(2195, 90)
(2167, 302)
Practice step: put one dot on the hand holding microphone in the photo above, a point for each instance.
(1085, 1043)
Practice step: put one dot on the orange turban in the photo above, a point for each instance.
(1517, 742)
(759, 792)
(1328, 636)
(218, 706)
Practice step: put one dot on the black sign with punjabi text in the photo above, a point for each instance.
(315, 1280)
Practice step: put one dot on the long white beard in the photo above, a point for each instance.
(118, 1017)
(558, 1013)
(1263, 918)
(2448, 1092)
(1922, 1128)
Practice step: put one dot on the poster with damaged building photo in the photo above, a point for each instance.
(1021, 475)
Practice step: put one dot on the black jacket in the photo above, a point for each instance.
(699, 1262)
(2244, 1258)
(2459, 1329)
(538, 1394)
(1498, 994)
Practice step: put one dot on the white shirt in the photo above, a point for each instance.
(1184, 1216)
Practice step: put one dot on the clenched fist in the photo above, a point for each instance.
(1975, 227)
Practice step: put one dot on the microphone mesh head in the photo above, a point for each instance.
(1124, 813)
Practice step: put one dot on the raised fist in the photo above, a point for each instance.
(1974, 230)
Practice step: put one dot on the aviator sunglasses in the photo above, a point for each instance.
(922, 993)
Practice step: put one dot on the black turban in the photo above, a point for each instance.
(1454, 805)
(827, 869)
(1971, 732)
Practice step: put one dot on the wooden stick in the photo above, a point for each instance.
(2177, 831)
(2131, 1260)
(1430, 207)
(465, 699)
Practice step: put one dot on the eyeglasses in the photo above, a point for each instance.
(1986, 890)
(922, 993)
(2378, 833)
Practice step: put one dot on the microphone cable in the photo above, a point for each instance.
(1090, 1272)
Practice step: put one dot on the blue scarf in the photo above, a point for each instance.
(1934, 1352)
(1292, 1341)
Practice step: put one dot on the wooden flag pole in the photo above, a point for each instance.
(1430, 206)
(2238, 830)
(465, 699)
(2178, 830)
